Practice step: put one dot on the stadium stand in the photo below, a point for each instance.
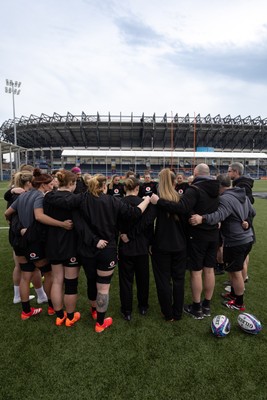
(42, 141)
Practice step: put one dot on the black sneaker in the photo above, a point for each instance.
(143, 310)
(196, 314)
(206, 311)
(127, 316)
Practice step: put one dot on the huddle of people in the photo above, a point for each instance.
(58, 225)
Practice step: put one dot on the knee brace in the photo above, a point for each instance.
(27, 267)
(102, 301)
(71, 286)
(104, 279)
(45, 268)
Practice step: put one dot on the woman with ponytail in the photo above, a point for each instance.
(22, 183)
(61, 251)
(29, 246)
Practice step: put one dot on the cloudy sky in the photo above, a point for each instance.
(140, 56)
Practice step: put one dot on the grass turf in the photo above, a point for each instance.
(146, 358)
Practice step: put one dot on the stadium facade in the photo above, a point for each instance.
(116, 143)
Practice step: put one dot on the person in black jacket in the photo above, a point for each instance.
(203, 194)
(169, 251)
(61, 253)
(148, 187)
(115, 187)
(81, 186)
(134, 257)
(181, 185)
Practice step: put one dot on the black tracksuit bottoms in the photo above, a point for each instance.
(169, 272)
(130, 266)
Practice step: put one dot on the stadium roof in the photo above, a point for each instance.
(163, 154)
(137, 132)
(6, 147)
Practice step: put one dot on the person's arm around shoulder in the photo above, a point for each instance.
(143, 205)
(40, 216)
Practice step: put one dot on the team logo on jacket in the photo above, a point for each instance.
(148, 189)
(73, 260)
(180, 191)
(116, 191)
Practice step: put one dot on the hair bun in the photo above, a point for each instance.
(37, 172)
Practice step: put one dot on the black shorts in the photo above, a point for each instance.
(201, 254)
(19, 251)
(104, 260)
(70, 262)
(235, 256)
(35, 251)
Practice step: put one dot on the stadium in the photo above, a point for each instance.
(111, 144)
(148, 357)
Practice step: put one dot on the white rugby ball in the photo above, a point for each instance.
(249, 323)
(220, 326)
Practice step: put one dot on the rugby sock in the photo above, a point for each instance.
(232, 292)
(50, 303)
(239, 300)
(196, 306)
(206, 303)
(41, 294)
(26, 306)
(60, 313)
(70, 315)
(100, 317)
(16, 291)
(93, 308)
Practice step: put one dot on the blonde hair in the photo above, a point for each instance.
(131, 183)
(87, 178)
(26, 167)
(22, 177)
(96, 184)
(166, 185)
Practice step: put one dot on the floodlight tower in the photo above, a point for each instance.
(14, 89)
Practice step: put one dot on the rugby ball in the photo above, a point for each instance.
(249, 323)
(220, 326)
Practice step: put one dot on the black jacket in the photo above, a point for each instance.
(139, 244)
(247, 184)
(202, 197)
